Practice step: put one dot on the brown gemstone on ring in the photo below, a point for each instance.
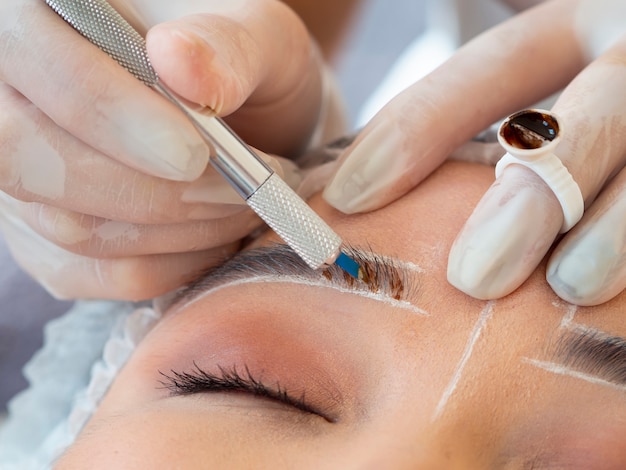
(529, 129)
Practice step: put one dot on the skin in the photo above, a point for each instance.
(380, 372)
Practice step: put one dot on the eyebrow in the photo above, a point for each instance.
(593, 352)
(393, 280)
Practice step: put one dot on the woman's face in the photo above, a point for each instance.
(282, 369)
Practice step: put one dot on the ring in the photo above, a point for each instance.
(529, 136)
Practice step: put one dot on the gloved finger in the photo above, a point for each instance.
(92, 97)
(588, 267)
(253, 51)
(484, 80)
(66, 275)
(95, 237)
(473, 151)
(43, 163)
(519, 218)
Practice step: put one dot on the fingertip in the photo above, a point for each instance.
(564, 277)
(188, 64)
(178, 56)
(370, 171)
(586, 270)
(474, 272)
(195, 165)
(343, 197)
(505, 238)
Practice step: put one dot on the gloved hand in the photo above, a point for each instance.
(105, 187)
(510, 67)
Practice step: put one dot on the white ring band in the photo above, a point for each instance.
(552, 171)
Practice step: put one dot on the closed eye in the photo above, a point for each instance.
(232, 380)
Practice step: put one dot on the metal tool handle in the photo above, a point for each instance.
(270, 197)
(106, 28)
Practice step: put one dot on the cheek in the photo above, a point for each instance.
(184, 433)
(147, 439)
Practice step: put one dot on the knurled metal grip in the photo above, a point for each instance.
(295, 222)
(106, 28)
(270, 197)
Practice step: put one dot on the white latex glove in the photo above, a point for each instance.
(105, 186)
(578, 45)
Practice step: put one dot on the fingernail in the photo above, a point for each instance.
(506, 237)
(589, 267)
(159, 141)
(374, 163)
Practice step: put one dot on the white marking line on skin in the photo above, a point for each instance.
(395, 262)
(408, 265)
(568, 319)
(403, 304)
(568, 323)
(562, 370)
(484, 317)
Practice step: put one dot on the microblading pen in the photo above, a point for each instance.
(263, 190)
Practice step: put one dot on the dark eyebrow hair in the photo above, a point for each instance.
(384, 275)
(593, 352)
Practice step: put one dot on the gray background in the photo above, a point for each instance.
(383, 30)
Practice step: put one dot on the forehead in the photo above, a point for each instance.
(420, 228)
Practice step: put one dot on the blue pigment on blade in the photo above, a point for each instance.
(348, 265)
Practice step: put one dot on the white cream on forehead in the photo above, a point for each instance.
(567, 322)
(570, 313)
(323, 283)
(560, 369)
(483, 318)
(407, 265)
(278, 279)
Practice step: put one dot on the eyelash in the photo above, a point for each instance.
(231, 380)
